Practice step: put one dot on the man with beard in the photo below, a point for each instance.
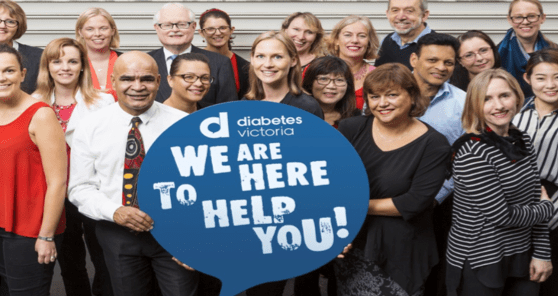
(407, 18)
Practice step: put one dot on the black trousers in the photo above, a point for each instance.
(309, 284)
(471, 286)
(72, 256)
(267, 289)
(550, 286)
(135, 259)
(19, 267)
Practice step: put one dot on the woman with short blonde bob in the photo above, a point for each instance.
(354, 40)
(96, 30)
(65, 84)
(306, 31)
(405, 160)
(498, 242)
(275, 73)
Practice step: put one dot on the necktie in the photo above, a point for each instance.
(135, 152)
(172, 57)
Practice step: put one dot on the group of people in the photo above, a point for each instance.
(459, 138)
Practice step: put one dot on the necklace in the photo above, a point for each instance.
(58, 110)
(388, 139)
(361, 72)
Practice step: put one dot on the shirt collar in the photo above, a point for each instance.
(15, 45)
(168, 54)
(530, 105)
(126, 117)
(395, 37)
(443, 92)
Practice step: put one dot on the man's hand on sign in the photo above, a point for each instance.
(133, 218)
(182, 264)
(345, 251)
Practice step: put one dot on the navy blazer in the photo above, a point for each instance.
(223, 88)
(30, 59)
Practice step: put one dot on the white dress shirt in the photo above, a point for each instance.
(168, 56)
(98, 153)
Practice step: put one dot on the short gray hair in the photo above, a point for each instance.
(157, 15)
(423, 5)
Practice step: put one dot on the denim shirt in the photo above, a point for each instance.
(444, 114)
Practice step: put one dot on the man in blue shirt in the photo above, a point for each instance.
(408, 19)
(433, 63)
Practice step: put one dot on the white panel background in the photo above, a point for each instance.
(53, 19)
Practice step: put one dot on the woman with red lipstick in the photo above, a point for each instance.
(498, 242)
(190, 79)
(65, 83)
(12, 27)
(477, 52)
(539, 119)
(354, 40)
(217, 30)
(96, 30)
(406, 162)
(306, 31)
(523, 38)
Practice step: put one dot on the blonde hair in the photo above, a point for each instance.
(311, 21)
(539, 6)
(473, 120)
(294, 78)
(93, 12)
(45, 83)
(373, 41)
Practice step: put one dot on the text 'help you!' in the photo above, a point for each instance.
(253, 192)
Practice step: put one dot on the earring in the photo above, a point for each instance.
(203, 40)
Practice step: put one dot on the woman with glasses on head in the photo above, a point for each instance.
(189, 79)
(216, 29)
(539, 119)
(97, 32)
(65, 84)
(523, 38)
(498, 242)
(354, 40)
(477, 52)
(306, 31)
(406, 161)
(13, 22)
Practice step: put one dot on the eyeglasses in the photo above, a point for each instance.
(10, 23)
(530, 18)
(211, 31)
(169, 26)
(483, 52)
(327, 80)
(191, 78)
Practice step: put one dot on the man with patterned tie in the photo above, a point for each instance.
(108, 149)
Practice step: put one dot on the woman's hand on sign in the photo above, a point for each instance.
(345, 251)
(182, 264)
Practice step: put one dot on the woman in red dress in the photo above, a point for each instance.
(33, 174)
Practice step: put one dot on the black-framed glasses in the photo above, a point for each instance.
(191, 78)
(530, 18)
(169, 26)
(327, 80)
(483, 51)
(10, 23)
(211, 30)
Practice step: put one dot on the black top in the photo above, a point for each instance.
(390, 52)
(412, 175)
(243, 67)
(304, 102)
(30, 59)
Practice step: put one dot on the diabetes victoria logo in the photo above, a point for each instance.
(253, 192)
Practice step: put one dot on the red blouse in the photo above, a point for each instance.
(96, 85)
(359, 99)
(23, 190)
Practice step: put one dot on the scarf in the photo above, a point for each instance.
(513, 59)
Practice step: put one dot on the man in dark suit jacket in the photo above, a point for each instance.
(175, 26)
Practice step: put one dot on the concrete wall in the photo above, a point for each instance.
(53, 19)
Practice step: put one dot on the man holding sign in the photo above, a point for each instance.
(109, 147)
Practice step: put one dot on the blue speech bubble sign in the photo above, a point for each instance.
(253, 192)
